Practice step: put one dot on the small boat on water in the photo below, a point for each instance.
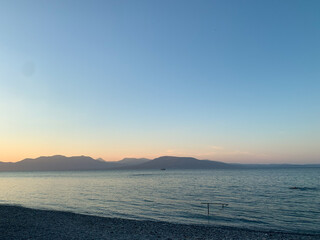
(162, 169)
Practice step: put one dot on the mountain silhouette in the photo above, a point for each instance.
(85, 163)
(170, 162)
(56, 163)
(133, 161)
(81, 163)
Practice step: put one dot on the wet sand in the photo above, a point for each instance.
(25, 223)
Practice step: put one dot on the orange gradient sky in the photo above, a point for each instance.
(228, 81)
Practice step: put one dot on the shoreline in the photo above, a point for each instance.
(17, 222)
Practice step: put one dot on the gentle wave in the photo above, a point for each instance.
(257, 199)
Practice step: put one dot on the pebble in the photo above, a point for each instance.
(19, 223)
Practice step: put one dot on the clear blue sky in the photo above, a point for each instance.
(236, 81)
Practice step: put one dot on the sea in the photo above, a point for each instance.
(286, 200)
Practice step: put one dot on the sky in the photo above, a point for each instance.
(233, 81)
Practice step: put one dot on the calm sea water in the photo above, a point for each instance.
(258, 199)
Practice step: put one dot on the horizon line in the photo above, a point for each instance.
(99, 159)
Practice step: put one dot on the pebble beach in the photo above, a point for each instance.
(24, 223)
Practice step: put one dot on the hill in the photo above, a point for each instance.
(170, 162)
(63, 163)
(133, 161)
(56, 163)
(84, 163)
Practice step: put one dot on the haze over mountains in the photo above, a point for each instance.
(85, 163)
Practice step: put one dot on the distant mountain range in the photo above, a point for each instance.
(168, 162)
(84, 163)
(55, 163)
(132, 161)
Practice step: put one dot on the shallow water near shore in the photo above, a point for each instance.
(264, 199)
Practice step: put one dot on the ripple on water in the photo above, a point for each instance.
(257, 198)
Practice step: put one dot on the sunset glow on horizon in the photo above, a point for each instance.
(231, 81)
